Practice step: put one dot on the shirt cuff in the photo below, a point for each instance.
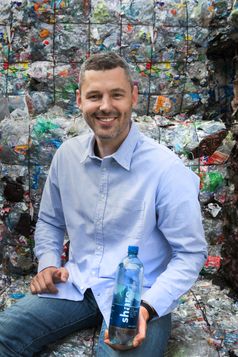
(48, 260)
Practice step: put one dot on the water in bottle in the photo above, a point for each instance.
(126, 299)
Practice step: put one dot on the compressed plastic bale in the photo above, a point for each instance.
(71, 42)
(80, 13)
(137, 12)
(105, 11)
(169, 44)
(41, 10)
(104, 37)
(14, 141)
(41, 41)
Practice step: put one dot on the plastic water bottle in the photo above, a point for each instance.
(126, 299)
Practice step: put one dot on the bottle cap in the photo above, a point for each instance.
(133, 249)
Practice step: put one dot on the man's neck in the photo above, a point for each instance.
(101, 149)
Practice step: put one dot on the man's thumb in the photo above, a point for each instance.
(61, 275)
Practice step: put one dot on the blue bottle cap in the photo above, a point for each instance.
(133, 249)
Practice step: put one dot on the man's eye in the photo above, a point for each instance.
(117, 95)
(93, 97)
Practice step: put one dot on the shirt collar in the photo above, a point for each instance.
(123, 155)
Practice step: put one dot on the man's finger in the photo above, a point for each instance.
(60, 275)
(43, 283)
(115, 347)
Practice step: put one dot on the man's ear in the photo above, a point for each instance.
(78, 98)
(135, 96)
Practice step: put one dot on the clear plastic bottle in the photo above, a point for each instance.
(126, 299)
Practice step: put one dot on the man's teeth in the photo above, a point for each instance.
(106, 119)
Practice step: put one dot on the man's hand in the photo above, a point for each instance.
(44, 281)
(139, 338)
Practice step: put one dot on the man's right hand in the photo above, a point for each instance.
(44, 281)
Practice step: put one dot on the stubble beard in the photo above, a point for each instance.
(107, 134)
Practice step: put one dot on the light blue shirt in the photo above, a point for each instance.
(141, 195)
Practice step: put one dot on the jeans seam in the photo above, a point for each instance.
(13, 351)
(57, 330)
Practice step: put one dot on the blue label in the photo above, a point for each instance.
(124, 316)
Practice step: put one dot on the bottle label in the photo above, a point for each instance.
(124, 316)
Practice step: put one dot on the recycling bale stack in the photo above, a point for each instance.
(182, 56)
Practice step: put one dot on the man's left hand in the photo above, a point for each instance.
(138, 339)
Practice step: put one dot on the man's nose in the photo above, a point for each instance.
(106, 104)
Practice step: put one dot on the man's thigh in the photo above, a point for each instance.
(155, 344)
(34, 322)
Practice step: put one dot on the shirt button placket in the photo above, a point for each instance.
(100, 213)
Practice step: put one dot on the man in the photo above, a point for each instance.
(109, 189)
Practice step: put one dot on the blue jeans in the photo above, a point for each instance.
(33, 322)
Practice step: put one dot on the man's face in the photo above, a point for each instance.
(106, 100)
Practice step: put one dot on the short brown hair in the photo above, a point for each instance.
(104, 61)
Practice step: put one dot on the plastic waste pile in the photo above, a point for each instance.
(183, 59)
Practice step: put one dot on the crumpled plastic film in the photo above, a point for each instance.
(20, 49)
(200, 12)
(66, 77)
(137, 12)
(41, 41)
(140, 74)
(41, 101)
(16, 220)
(5, 12)
(166, 77)
(104, 38)
(3, 81)
(19, 10)
(197, 76)
(221, 8)
(142, 105)
(71, 42)
(49, 131)
(4, 48)
(136, 42)
(233, 17)
(147, 125)
(41, 87)
(46, 138)
(204, 301)
(105, 11)
(220, 153)
(169, 44)
(80, 13)
(17, 78)
(42, 10)
(4, 110)
(213, 177)
(195, 101)
(197, 42)
(178, 136)
(170, 13)
(14, 141)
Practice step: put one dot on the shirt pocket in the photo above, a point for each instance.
(122, 227)
(125, 219)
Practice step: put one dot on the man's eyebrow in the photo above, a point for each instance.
(114, 90)
(91, 92)
(121, 90)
